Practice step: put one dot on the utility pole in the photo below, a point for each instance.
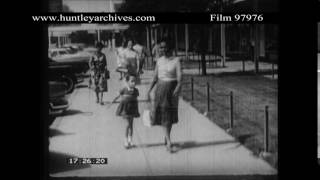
(186, 40)
(256, 50)
(203, 49)
(222, 38)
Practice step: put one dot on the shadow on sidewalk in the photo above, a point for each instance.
(178, 146)
(242, 73)
(56, 132)
(58, 163)
(82, 86)
(243, 138)
(71, 112)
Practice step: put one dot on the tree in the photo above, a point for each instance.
(167, 5)
(66, 8)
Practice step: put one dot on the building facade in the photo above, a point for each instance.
(60, 34)
(84, 5)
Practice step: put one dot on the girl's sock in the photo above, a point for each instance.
(126, 143)
(130, 139)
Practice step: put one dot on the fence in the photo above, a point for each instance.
(253, 123)
(193, 61)
(267, 66)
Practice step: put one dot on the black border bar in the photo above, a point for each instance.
(151, 18)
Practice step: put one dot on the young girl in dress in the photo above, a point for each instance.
(128, 107)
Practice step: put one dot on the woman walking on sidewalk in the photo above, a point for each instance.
(131, 58)
(167, 77)
(120, 59)
(98, 67)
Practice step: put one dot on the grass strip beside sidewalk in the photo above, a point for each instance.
(250, 96)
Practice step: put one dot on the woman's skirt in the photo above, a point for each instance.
(100, 83)
(165, 110)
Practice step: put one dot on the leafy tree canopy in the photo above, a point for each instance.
(197, 5)
(168, 5)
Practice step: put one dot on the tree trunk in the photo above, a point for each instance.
(256, 48)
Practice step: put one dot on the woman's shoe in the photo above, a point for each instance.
(169, 149)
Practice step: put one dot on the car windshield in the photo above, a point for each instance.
(53, 54)
(63, 52)
(70, 51)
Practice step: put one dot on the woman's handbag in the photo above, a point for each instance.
(146, 118)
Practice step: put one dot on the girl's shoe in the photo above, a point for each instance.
(131, 144)
(126, 145)
(169, 148)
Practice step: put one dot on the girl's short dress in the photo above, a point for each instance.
(128, 107)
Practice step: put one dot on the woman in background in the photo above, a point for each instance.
(120, 59)
(98, 67)
(132, 60)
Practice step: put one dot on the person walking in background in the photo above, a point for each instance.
(98, 67)
(155, 52)
(128, 107)
(167, 77)
(142, 54)
(120, 59)
(132, 60)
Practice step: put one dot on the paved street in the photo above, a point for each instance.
(89, 130)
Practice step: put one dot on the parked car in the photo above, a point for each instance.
(63, 73)
(68, 54)
(58, 102)
(76, 47)
(77, 66)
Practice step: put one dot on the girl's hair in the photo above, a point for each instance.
(127, 77)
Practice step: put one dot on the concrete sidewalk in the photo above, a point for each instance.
(90, 130)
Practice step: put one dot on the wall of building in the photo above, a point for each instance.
(91, 5)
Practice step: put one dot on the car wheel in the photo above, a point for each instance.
(70, 83)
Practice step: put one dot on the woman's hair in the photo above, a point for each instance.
(168, 44)
(99, 45)
(127, 41)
